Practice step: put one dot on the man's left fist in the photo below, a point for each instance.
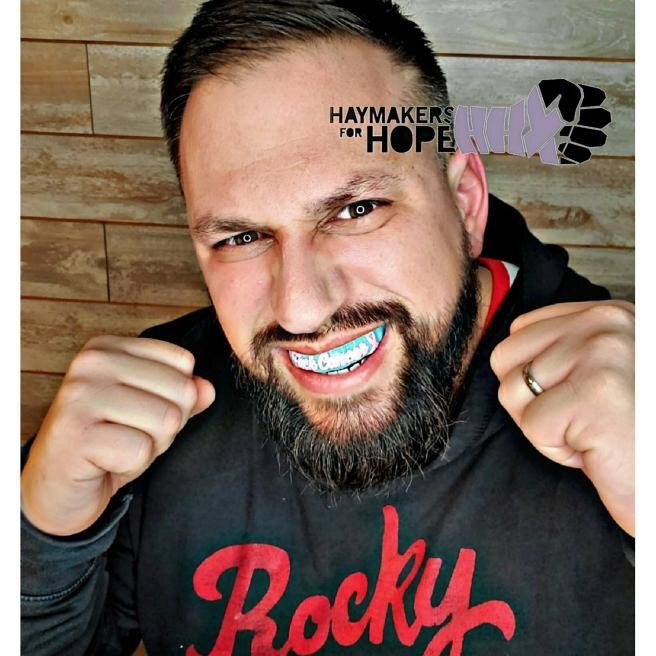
(582, 355)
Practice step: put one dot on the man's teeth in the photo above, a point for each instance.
(341, 359)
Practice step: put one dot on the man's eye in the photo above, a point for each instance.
(358, 210)
(242, 239)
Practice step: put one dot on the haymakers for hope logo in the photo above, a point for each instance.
(558, 120)
(375, 603)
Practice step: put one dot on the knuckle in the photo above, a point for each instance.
(73, 390)
(171, 420)
(611, 346)
(187, 360)
(627, 306)
(495, 358)
(613, 314)
(528, 426)
(189, 393)
(605, 386)
(131, 460)
(88, 359)
(141, 455)
(100, 342)
(95, 342)
(503, 395)
(516, 323)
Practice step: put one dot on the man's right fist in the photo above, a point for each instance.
(121, 404)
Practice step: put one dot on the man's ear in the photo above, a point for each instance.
(468, 185)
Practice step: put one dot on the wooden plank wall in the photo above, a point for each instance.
(104, 243)
(105, 248)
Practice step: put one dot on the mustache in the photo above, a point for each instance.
(345, 318)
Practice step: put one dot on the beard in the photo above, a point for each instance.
(380, 436)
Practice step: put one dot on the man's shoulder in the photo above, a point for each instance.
(183, 328)
(545, 276)
(200, 333)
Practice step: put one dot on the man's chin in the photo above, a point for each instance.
(360, 416)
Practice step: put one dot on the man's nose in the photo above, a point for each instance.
(308, 288)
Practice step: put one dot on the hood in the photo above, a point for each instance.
(544, 278)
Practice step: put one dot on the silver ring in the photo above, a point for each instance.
(530, 381)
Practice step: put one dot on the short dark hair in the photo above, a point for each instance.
(235, 32)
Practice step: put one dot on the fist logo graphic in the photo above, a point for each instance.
(580, 107)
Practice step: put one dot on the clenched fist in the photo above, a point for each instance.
(582, 355)
(120, 405)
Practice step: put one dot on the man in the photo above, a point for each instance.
(405, 426)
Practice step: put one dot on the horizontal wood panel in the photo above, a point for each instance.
(153, 265)
(125, 89)
(491, 82)
(614, 268)
(587, 204)
(524, 27)
(54, 331)
(55, 87)
(37, 393)
(99, 178)
(587, 28)
(106, 20)
(63, 259)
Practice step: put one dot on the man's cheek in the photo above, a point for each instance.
(238, 318)
(399, 270)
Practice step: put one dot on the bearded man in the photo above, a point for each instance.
(403, 426)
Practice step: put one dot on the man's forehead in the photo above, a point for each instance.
(263, 137)
(277, 113)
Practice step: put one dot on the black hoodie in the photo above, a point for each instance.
(218, 549)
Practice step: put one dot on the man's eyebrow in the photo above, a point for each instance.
(355, 187)
(209, 225)
(359, 184)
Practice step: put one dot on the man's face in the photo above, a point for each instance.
(323, 262)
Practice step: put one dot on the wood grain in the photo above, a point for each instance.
(106, 20)
(55, 87)
(614, 268)
(62, 259)
(99, 178)
(153, 265)
(560, 28)
(125, 89)
(501, 82)
(54, 331)
(587, 204)
(587, 28)
(37, 393)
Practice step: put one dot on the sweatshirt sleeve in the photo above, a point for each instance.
(77, 592)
